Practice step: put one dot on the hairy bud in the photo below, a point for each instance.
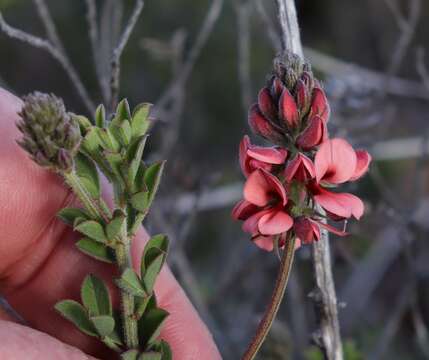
(50, 135)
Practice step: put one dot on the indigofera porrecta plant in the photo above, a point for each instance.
(289, 193)
(77, 149)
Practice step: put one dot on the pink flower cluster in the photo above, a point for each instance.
(288, 183)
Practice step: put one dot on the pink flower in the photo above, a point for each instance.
(263, 208)
(337, 162)
(300, 168)
(261, 126)
(254, 157)
(319, 104)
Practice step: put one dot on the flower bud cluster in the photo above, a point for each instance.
(288, 183)
(51, 135)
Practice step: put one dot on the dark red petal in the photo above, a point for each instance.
(288, 109)
(319, 104)
(277, 88)
(304, 230)
(243, 210)
(261, 126)
(302, 95)
(266, 104)
(243, 157)
(313, 135)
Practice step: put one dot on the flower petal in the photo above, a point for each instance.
(242, 155)
(266, 104)
(250, 225)
(363, 161)
(335, 162)
(319, 104)
(264, 242)
(332, 229)
(341, 204)
(313, 135)
(288, 109)
(243, 210)
(268, 155)
(275, 222)
(261, 126)
(301, 168)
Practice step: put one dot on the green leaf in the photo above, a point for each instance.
(134, 158)
(154, 259)
(108, 140)
(69, 215)
(150, 355)
(141, 305)
(83, 121)
(93, 230)
(122, 112)
(152, 178)
(100, 116)
(75, 312)
(130, 355)
(130, 282)
(140, 121)
(96, 250)
(95, 296)
(125, 132)
(104, 324)
(114, 226)
(140, 201)
(87, 172)
(150, 325)
(91, 141)
(159, 241)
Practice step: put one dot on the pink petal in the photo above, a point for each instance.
(363, 161)
(266, 104)
(269, 155)
(243, 210)
(332, 229)
(275, 222)
(304, 230)
(300, 162)
(260, 187)
(288, 109)
(264, 242)
(313, 135)
(341, 204)
(250, 225)
(335, 161)
(319, 104)
(244, 145)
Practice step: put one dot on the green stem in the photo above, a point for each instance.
(276, 299)
(99, 210)
(123, 250)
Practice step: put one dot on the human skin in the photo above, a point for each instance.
(39, 265)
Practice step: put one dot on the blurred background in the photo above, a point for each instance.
(201, 63)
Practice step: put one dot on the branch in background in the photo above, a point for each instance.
(273, 35)
(52, 49)
(94, 37)
(183, 74)
(421, 67)
(243, 11)
(117, 52)
(407, 26)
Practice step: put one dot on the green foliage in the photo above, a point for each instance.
(95, 296)
(96, 250)
(92, 229)
(76, 313)
(69, 215)
(130, 282)
(88, 175)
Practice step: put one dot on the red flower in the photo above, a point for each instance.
(300, 168)
(314, 134)
(254, 157)
(336, 162)
(263, 208)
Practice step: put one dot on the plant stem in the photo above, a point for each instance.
(99, 210)
(123, 250)
(276, 299)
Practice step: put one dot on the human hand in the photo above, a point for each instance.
(39, 265)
